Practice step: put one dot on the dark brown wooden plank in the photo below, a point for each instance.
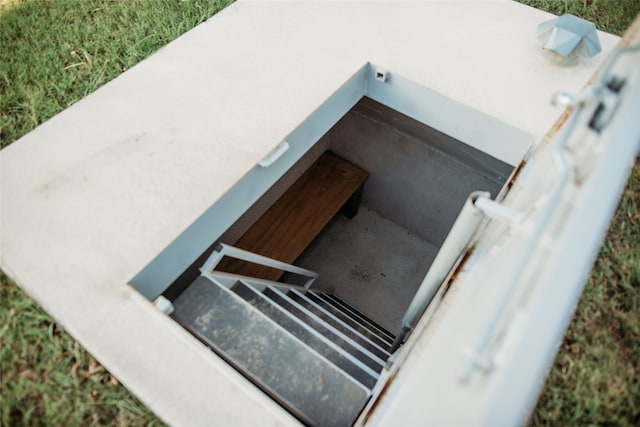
(294, 220)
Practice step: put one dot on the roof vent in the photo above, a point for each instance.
(567, 39)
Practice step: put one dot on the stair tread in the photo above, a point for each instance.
(309, 385)
(340, 357)
(376, 336)
(358, 336)
(338, 337)
(356, 315)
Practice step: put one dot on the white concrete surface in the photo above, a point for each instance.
(92, 195)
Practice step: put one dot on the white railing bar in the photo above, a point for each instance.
(251, 280)
(231, 251)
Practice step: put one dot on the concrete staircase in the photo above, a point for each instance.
(310, 351)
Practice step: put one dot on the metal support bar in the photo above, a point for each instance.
(223, 250)
(498, 211)
(453, 247)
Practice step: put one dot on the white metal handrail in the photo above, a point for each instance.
(223, 250)
(259, 284)
(452, 249)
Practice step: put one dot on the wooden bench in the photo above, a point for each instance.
(285, 230)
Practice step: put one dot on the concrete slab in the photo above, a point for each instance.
(370, 262)
(92, 195)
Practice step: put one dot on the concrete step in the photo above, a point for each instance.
(360, 370)
(310, 385)
(338, 337)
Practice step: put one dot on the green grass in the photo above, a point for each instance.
(57, 52)
(53, 53)
(49, 379)
(612, 16)
(596, 376)
(595, 379)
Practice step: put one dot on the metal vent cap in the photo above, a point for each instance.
(567, 39)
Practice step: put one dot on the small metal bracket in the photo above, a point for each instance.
(274, 154)
(475, 361)
(564, 99)
(164, 305)
(382, 75)
(498, 211)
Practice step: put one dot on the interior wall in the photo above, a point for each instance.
(233, 233)
(419, 178)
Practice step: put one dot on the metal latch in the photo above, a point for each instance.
(609, 101)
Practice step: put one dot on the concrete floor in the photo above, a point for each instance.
(370, 262)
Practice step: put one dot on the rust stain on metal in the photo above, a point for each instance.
(630, 36)
(379, 398)
(461, 264)
(515, 173)
(560, 122)
(557, 125)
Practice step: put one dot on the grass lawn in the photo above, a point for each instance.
(53, 53)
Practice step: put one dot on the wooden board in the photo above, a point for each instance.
(296, 218)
